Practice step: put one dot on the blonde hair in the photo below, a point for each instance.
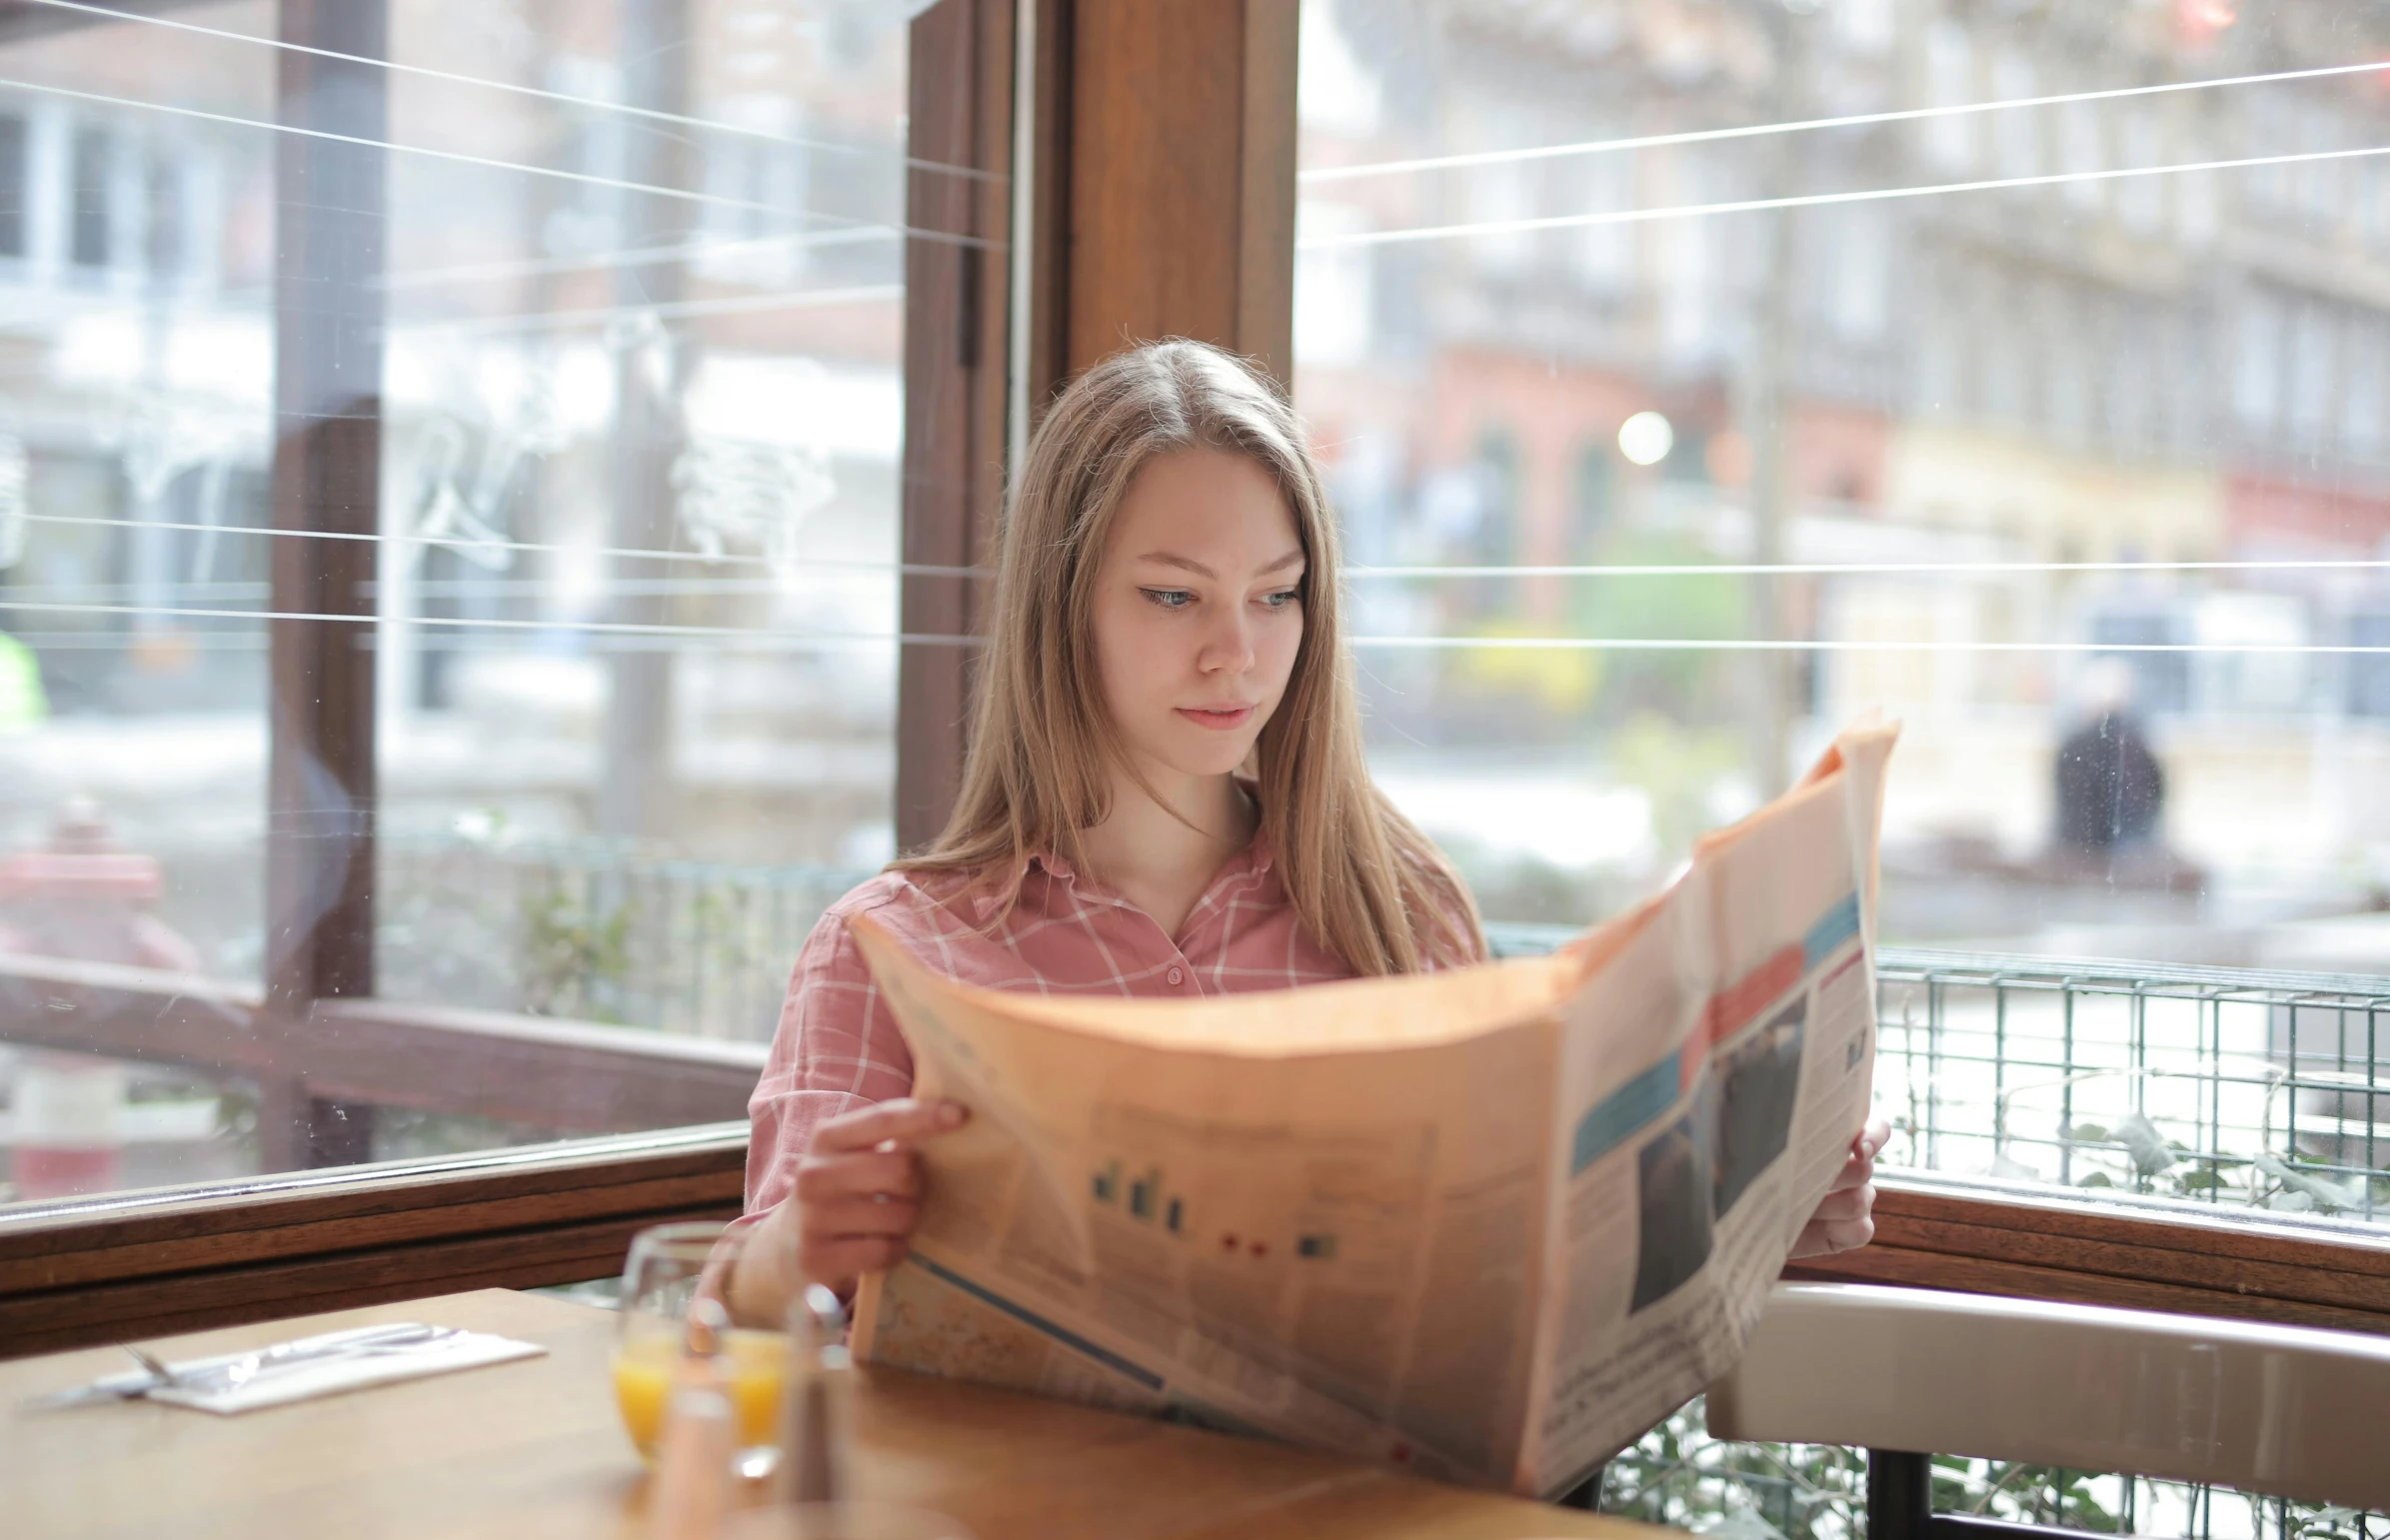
(1368, 886)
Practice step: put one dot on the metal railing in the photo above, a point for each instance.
(596, 931)
(1678, 1475)
(2226, 1086)
(2222, 1085)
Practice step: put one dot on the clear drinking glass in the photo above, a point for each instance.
(668, 1266)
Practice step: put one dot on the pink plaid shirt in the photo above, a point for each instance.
(838, 1046)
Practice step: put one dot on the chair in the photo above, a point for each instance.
(2285, 1411)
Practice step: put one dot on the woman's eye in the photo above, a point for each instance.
(1282, 598)
(1169, 598)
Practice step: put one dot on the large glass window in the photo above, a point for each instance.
(1696, 380)
(532, 369)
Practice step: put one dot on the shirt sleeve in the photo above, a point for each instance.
(836, 1048)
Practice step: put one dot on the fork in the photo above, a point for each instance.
(150, 1361)
(240, 1372)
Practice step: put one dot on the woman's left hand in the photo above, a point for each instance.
(1844, 1222)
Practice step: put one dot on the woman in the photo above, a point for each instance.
(1165, 797)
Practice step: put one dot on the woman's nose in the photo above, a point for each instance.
(1228, 647)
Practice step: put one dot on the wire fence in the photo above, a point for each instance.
(1678, 1475)
(2228, 1086)
(595, 930)
(2222, 1086)
(2225, 1086)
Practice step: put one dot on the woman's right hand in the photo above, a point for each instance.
(856, 1197)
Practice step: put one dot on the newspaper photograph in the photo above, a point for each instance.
(1488, 1224)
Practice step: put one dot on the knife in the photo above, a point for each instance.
(135, 1383)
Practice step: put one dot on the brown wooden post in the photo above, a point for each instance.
(956, 288)
(329, 252)
(1160, 202)
(1182, 171)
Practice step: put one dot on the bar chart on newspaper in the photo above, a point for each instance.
(1488, 1224)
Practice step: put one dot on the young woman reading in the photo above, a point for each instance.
(1165, 797)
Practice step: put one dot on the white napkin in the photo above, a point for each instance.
(280, 1384)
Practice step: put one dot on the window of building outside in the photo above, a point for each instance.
(2017, 374)
(634, 273)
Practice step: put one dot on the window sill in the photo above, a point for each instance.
(121, 1266)
(2149, 1255)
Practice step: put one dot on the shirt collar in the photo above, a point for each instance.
(1254, 860)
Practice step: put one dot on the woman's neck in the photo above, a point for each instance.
(1159, 851)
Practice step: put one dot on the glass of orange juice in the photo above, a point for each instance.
(670, 1266)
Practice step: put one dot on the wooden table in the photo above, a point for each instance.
(531, 1449)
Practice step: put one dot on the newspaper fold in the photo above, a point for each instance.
(1488, 1224)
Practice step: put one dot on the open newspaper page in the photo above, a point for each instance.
(1717, 1061)
(1488, 1224)
(1314, 1213)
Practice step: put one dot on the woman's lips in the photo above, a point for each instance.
(1219, 720)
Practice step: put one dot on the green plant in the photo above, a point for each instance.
(1678, 1475)
(576, 959)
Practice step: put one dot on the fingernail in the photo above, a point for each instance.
(949, 1114)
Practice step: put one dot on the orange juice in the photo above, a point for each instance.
(754, 1363)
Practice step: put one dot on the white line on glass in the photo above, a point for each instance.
(1464, 644)
(675, 310)
(1662, 570)
(652, 115)
(457, 157)
(589, 262)
(1806, 125)
(1810, 200)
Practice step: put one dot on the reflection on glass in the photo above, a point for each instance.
(1814, 358)
(619, 785)
(136, 430)
(637, 301)
(1586, 293)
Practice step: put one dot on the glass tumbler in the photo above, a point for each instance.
(670, 1266)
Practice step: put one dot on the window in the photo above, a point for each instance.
(12, 185)
(1605, 253)
(92, 218)
(2257, 362)
(164, 247)
(553, 391)
(1950, 137)
(2105, 449)
(1336, 295)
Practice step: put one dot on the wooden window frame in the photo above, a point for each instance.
(323, 1051)
(1158, 199)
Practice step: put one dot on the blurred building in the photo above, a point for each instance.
(530, 283)
(2093, 358)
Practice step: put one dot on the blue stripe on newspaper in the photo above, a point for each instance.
(1841, 922)
(1105, 1356)
(1618, 1116)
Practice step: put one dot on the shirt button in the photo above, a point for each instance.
(1178, 976)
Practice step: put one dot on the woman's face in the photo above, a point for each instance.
(1198, 611)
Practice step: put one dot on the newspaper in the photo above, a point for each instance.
(1488, 1224)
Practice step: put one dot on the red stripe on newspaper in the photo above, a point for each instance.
(1849, 963)
(1690, 1058)
(1734, 1009)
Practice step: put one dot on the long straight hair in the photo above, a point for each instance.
(1367, 884)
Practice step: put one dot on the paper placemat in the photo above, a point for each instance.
(304, 1382)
